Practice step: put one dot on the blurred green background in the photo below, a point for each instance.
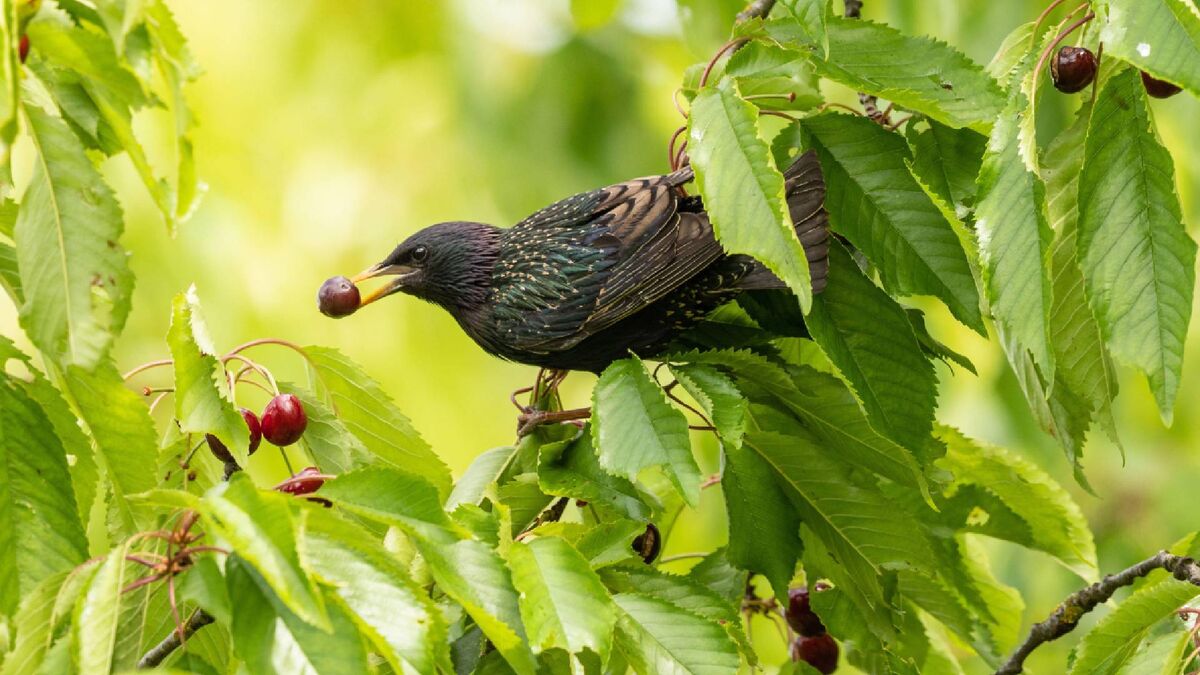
(331, 129)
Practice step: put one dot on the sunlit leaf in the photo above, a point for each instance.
(918, 73)
(563, 603)
(759, 511)
(635, 428)
(1137, 258)
(659, 637)
(369, 413)
(743, 190)
(74, 274)
(259, 527)
(572, 469)
(95, 620)
(1116, 637)
(202, 397)
(1161, 37)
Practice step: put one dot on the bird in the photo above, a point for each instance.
(599, 275)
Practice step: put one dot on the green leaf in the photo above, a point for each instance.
(1015, 236)
(743, 190)
(473, 575)
(1160, 655)
(917, 73)
(1161, 37)
(177, 67)
(1053, 520)
(43, 609)
(635, 428)
(659, 637)
(572, 469)
(948, 161)
(761, 68)
(203, 401)
(811, 16)
(1137, 258)
(868, 337)
(759, 511)
(684, 592)
(484, 470)
(1116, 637)
(395, 498)
(94, 626)
(113, 89)
(363, 407)
(829, 410)
(391, 610)
(715, 572)
(858, 524)
(74, 275)
(1084, 368)
(119, 425)
(610, 542)
(718, 396)
(875, 202)
(40, 530)
(563, 603)
(271, 639)
(260, 527)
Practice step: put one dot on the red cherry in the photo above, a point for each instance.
(1158, 88)
(648, 543)
(23, 48)
(1072, 69)
(254, 427)
(283, 420)
(309, 480)
(338, 297)
(820, 652)
(800, 615)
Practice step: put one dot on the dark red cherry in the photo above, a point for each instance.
(1072, 69)
(648, 543)
(1158, 88)
(800, 615)
(283, 420)
(820, 652)
(255, 429)
(338, 297)
(23, 48)
(309, 480)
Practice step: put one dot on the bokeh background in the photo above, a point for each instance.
(331, 129)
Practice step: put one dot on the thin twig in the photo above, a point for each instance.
(1067, 615)
(162, 650)
(759, 9)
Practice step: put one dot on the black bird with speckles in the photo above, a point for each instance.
(586, 280)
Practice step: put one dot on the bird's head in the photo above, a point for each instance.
(449, 264)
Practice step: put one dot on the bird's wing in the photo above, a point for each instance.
(589, 261)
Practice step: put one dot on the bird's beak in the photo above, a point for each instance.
(400, 274)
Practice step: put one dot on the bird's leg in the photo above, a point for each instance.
(528, 421)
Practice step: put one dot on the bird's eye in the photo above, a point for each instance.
(419, 254)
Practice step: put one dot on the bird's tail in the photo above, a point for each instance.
(804, 188)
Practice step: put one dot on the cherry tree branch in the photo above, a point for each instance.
(1067, 615)
(162, 650)
(758, 9)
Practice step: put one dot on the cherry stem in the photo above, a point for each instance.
(732, 44)
(790, 97)
(671, 146)
(144, 581)
(1045, 13)
(147, 366)
(680, 556)
(269, 341)
(266, 374)
(825, 106)
(158, 399)
(678, 105)
(776, 113)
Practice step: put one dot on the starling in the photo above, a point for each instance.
(589, 279)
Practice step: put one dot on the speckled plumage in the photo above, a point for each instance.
(590, 278)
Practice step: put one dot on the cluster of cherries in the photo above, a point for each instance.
(812, 644)
(282, 423)
(1074, 68)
